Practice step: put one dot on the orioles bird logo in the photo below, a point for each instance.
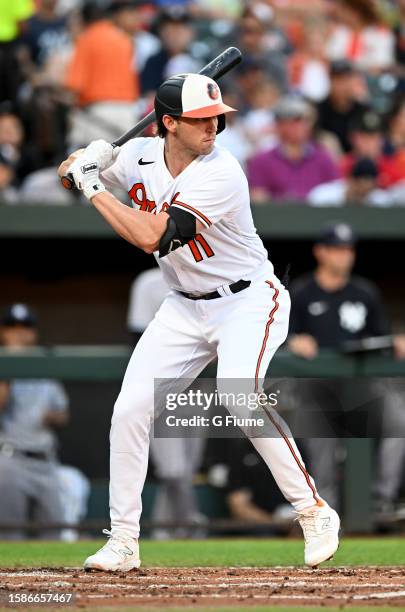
(213, 91)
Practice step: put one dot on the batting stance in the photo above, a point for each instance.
(191, 210)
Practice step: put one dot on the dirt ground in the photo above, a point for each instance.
(205, 586)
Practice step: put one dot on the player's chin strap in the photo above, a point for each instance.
(181, 228)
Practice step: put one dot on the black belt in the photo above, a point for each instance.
(240, 285)
(10, 451)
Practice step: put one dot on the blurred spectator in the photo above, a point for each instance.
(360, 36)
(360, 188)
(46, 32)
(366, 134)
(102, 78)
(253, 496)
(235, 138)
(399, 33)
(29, 410)
(149, 285)
(146, 44)
(43, 53)
(176, 32)
(74, 491)
(176, 460)
(262, 42)
(8, 193)
(13, 20)
(307, 66)
(394, 146)
(395, 137)
(259, 120)
(20, 178)
(297, 164)
(344, 102)
(44, 187)
(330, 307)
(20, 157)
(248, 79)
(366, 139)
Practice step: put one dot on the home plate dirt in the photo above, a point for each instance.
(206, 586)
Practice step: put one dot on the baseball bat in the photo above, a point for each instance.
(219, 66)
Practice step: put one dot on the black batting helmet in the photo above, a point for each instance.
(191, 95)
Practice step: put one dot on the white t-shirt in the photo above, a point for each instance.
(214, 189)
(372, 49)
(335, 194)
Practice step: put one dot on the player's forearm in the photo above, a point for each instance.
(137, 227)
(243, 509)
(251, 513)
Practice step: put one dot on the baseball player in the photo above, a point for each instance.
(191, 210)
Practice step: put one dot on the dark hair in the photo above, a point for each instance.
(161, 128)
(366, 8)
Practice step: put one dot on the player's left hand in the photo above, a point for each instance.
(86, 174)
(102, 152)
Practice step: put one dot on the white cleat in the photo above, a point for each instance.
(320, 525)
(119, 554)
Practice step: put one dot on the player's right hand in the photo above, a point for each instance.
(303, 345)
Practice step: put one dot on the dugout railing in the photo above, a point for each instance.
(101, 363)
(282, 221)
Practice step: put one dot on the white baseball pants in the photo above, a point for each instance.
(244, 330)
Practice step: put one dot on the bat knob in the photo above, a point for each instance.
(67, 181)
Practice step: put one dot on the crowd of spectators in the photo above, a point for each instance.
(320, 92)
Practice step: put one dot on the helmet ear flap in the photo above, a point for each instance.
(221, 123)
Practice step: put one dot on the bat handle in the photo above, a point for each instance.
(67, 181)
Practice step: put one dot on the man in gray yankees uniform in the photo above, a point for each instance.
(29, 410)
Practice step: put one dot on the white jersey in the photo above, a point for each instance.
(214, 189)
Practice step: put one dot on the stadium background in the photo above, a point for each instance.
(57, 256)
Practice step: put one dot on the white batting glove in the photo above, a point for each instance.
(86, 174)
(102, 152)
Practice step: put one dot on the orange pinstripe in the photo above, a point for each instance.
(276, 425)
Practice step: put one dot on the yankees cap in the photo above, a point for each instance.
(368, 122)
(364, 168)
(18, 314)
(337, 234)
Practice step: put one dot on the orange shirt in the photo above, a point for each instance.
(101, 69)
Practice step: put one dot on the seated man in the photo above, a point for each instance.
(359, 188)
(29, 410)
(330, 307)
(297, 164)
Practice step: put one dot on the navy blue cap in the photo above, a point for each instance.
(337, 234)
(18, 314)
